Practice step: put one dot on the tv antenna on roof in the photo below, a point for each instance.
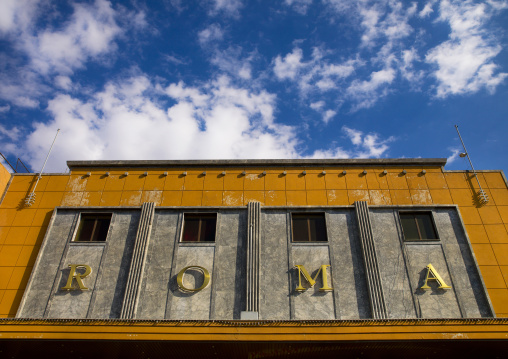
(30, 199)
(481, 193)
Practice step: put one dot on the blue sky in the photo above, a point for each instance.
(217, 79)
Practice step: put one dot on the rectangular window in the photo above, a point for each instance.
(309, 227)
(93, 227)
(418, 226)
(199, 227)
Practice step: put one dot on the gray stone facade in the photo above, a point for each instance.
(253, 274)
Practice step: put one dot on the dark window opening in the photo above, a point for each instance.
(309, 227)
(93, 228)
(418, 226)
(199, 227)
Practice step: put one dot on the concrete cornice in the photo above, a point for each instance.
(400, 162)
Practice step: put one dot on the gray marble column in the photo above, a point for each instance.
(376, 296)
(253, 240)
(131, 297)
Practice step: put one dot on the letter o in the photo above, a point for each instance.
(179, 279)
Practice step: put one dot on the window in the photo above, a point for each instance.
(199, 227)
(309, 227)
(93, 227)
(418, 226)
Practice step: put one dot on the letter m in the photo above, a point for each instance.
(312, 281)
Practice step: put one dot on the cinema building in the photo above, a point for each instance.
(254, 258)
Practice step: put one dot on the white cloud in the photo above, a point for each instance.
(366, 93)
(232, 62)
(453, 157)
(328, 115)
(288, 67)
(212, 33)
(300, 6)
(317, 105)
(64, 82)
(5, 108)
(226, 7)
(16, 15)
(427, 9)
(464, 62)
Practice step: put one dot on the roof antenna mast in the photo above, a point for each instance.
(481, 193)
(30, 199)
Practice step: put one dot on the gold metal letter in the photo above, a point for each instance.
(179, 279)
(73, 274)
(312, 281)
(432, 274)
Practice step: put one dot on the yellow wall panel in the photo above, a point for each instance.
(131, 198)
(503, 212)
(24, 217)
(35, 236)
(504, 271)
(17, 235)
(473, 183)
(14, 199)
(6, 217)
(492, 277)
(192, 198)
(334, 180)
(115, 181)
(275, 181)
(436, 180)
(441, 196)
(9, 255)
(494, 180)
(214, 181)
(194, 181)
(337, 197)
(111, 198)
(500, 196)
(76, 183)
(296, 198)
(135, 181)
(90, 199)
(5, 276)
(496, 233)
(233, 198)
(154, 182)
(400, 197)
(501, 253)
(3, 234)
(356, 180)
(295, 180)
(416, 181)
(234, 180)
(212, 198)
(463, 197)
(275, 198)
(42, 217)
(499, 298)
(171, 198)
(174, 182)
(10, 301)
(250, 196)
(380, 197)
(317, 198)
(72, 199)
(420, 196)
(470, 215)
(50, 199)
(314, 180)
(254, 181)
(22, 183)
(484, 254)
(456, 180)
(376, 180)
(476, 233)
(95, 183)
(396, 180)
(57, 183)
(358, 195)
(152, 196)
(489, 215)
(19, 278)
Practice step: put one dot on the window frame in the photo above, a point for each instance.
(432, 221)
(79, 226)
(309, 236)
(198, 214)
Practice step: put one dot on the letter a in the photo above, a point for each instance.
(73, 274)
(312, 281)
(432, 274)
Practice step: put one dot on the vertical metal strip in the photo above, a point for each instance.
(253, 239)
(375, 287)
(131, 297)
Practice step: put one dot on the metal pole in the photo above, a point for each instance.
(31, 197)
(471, 163)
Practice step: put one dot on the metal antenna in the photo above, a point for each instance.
(481, 193)
(30, 199)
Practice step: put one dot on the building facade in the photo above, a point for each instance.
(273, 245)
